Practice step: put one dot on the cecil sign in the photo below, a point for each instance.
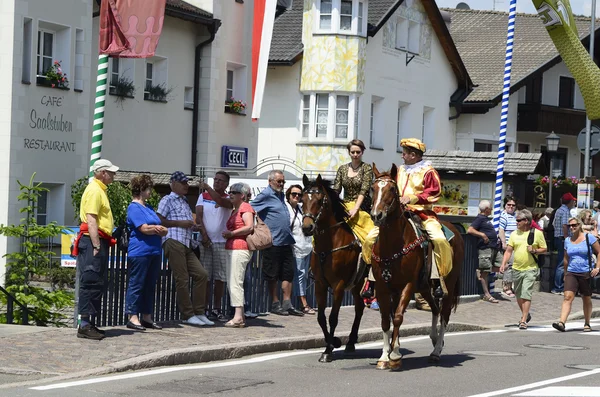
(234, 157)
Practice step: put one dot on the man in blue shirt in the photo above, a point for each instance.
(278, 260)
(561, 230)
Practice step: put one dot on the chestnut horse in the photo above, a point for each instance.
(398, 258)
(334, 259)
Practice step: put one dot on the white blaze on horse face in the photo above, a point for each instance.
(381, 185)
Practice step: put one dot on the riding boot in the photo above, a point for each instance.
(369, 292)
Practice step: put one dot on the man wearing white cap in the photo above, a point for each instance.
(92, 245)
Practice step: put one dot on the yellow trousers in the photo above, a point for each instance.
(362, 225)
(441, 247)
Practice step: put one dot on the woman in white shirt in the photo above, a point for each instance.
(303, 246)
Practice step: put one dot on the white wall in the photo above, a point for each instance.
(141, 135)
(538, 139)
(420, 84)
(29, 145)
(232, 44)
(280, 120)
(486, 127)
(550, 86)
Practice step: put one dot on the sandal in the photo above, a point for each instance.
(522, 325)
(559, 326)
(308, 310)
(587, 328)
(490, 299)
(231, 324)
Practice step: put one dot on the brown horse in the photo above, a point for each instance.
(397, 262)
(334, 259)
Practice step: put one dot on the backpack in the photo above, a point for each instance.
(121, 234)
(549, 228)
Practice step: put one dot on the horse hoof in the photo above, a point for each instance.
(350, 349)
(325, 358)
(434, 359)
(383, 365)
(395, 365)
(337, 342)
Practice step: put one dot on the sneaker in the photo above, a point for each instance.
(89, 332)
(194, 321)
(204, 319)
(292, 311)
(217, 315)
(375, 305)
(556, 292)
(249, 314)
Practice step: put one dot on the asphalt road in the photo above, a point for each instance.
(506, 362)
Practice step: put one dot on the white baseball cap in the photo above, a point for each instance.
(104, 165)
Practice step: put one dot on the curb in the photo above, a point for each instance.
(198, 354)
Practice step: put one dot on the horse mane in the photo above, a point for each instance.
(337, 204)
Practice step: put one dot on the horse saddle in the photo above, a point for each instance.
(417, 224)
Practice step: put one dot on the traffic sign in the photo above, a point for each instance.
(594, 141)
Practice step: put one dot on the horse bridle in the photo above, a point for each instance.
(389, 207)
(315, 218)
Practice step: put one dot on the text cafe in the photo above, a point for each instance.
(234, 157)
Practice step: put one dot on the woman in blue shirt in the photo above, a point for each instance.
(143, 255)
(578, 270)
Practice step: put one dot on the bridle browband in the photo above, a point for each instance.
(390, 207)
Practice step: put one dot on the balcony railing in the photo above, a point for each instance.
(544, 118)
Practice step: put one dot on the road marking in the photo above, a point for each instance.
(538, 384)
(228, 363)
(564, 391)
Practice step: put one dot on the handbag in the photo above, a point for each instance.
(261, 237)
(121, 234)
(530, 240)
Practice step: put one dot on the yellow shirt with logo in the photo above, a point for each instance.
(95, 201)
(523, 260)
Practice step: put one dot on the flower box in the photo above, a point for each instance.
(45, 82)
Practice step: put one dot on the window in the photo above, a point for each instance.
(45, 51)
(229, 88)
(483, 147)
(376, 123)
(235, 83)
(533, 90)
(428, 127)
(149, 77)
(188, 98)
(79, 56)
(325, 16)
(523, 148)
(114, 73)
(401, 124)
(566, 92)
(322, 119)
(328, 117)
(305, 116)
(341, 16)
(559, 161)
(27, 42)
(408, 35)
(41, 215)
(155, 82)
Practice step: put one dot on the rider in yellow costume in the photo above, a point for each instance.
(419, 188)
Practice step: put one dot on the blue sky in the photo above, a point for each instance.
(580, 7)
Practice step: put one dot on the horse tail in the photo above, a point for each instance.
(456, 294)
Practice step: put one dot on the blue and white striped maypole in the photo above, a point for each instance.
(510, 36)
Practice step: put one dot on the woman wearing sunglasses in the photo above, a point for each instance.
(579, 267)
(507, 225)
(524, 267)
(303, 246)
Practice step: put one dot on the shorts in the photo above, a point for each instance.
(578, 282)
(489, 258)
(278, 263)
(214, 259)
(524, 281)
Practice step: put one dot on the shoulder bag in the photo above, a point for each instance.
(261, 237)
(530, 240)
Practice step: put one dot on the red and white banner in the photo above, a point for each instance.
(262, 32)
(131, 28)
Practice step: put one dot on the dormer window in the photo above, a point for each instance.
(342, 16)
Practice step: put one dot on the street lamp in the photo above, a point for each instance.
(552, 141)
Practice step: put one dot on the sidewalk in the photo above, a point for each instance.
(57, 351)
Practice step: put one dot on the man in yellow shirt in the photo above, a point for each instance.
(525, 267)
(92, 246)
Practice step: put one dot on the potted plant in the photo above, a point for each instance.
(233, 106)
(157, 93)
(54, 77)
(122, 88)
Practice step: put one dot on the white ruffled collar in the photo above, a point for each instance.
(411, 169)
